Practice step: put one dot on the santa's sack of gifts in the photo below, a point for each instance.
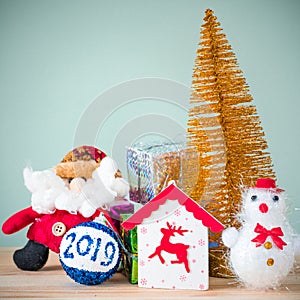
(151, 166)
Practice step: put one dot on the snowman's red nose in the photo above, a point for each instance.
(263, 208)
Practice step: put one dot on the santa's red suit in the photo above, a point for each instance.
(46, 229)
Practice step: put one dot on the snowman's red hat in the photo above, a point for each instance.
(267, 183)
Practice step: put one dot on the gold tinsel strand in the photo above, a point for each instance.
(226, 130)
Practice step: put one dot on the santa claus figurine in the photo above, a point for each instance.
(82, 185)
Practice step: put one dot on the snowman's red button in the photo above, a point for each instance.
(59, 229)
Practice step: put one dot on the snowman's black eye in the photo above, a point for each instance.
(254, 198)
(275, 198)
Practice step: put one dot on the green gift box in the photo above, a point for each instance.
(130, 259)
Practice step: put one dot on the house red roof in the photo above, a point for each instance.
(172, 192)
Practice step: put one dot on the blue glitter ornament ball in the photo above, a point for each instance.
(90, 253)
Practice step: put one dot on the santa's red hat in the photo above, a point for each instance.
(267, 183)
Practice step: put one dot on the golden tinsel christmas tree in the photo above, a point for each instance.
(226, 129)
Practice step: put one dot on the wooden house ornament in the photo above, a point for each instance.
(173, 241)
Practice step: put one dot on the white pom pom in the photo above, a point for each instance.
(108, 167)
(230, 236)
(106, 172)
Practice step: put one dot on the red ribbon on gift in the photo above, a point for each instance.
(274, 233)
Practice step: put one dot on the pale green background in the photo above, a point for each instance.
(56, 57)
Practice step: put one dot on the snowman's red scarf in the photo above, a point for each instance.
(274, 233)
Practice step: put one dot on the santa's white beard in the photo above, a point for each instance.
(50, 192)
(70, 201)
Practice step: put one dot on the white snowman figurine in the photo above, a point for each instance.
(262, 251)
